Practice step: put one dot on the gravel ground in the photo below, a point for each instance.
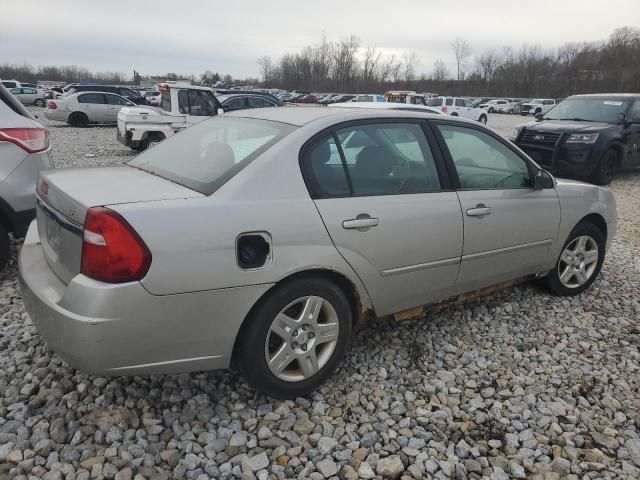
(515, 385)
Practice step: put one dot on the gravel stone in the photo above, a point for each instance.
(327, 467)
(390, 467)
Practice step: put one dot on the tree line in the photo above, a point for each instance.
(345, 65)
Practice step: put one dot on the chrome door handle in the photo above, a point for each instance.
(360, 223)
(480, 210)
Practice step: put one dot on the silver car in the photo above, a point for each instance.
(24, 153)
(260, 238)
(81, 109)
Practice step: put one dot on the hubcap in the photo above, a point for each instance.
(301, 339)
(578, 262)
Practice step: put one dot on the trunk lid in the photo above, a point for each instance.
(65, 195)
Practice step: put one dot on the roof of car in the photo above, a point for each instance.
(300, 116)
(607, 95)
(386, 106)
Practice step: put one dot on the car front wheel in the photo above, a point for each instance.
(606, 168)
(483, 119)
(295, 338)
(579, 263)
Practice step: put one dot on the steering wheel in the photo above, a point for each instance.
(403, 163)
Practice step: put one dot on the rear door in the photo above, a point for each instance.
(461, 108)
(634, 117)
(385, 201)
(509, 226)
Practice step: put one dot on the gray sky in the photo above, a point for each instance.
(192, 36)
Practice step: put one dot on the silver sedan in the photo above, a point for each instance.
(259, 238)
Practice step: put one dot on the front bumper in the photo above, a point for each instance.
(122, 329)
(578, 161)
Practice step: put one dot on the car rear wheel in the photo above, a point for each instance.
(606, 168)
(150, 141)
(454, 114)
(295, 338)
(510, 112)
(491, 110)
(579, 263)
(38, 102)
(78, 119)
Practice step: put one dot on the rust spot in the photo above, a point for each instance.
(417, 312)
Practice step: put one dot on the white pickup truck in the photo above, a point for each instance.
(181, 106)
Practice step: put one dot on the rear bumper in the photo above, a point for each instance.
(127, 139)
(122, 329)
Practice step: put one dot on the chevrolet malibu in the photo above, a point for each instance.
(260, 238)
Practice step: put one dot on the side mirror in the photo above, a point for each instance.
(543, 179)
(622, 119)
(538, 116)
(221, 111)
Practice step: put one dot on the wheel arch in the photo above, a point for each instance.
(597, 220)
(619, 149)
(361, 306)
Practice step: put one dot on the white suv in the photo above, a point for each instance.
(458, 107)
(537, 105)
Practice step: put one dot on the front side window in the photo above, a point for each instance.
(202, 103)
(203, 157)
(116, 100)
(256, 102)
(548, 102)
(634, 112)
(92, 97)
(365, 98)
(459, 102)
(381, 159)
(468, 103)
(236, 103)
(16, 91)
(483, 162)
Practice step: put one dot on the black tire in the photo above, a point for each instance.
(524, 114)
(510, 112)
(552, 281)
(78, 119)
(491, 110)
(483, 119)
(150, 141)
(538, 110)
(5, 247)
(250, 353)
(454, 114)
(38, 102)
(606, 168)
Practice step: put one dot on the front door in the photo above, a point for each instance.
(199, 105)
(633, 159)
(384, 200)
(509, 226)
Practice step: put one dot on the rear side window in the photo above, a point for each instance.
(372, 160)
(434, 102)
(165, 101)
(365, 98)
(203, 157)
(90, 98)
(256, 102)
(459, 102)
(449, 101)
(10, 84)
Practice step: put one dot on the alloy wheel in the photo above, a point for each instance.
(578, 262)
(302, 339)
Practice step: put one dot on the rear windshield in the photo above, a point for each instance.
(205, 156)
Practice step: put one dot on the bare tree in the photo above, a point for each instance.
(344, 60)
(409, 63)
(461, 49)
(440, 71)
(487, 64)
(266, 66)
(370, 62)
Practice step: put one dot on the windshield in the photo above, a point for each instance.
(588, 109)
(203, 157)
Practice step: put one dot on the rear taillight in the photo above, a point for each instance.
(51, 105)
(444, 109)
(30, 139)
(112, 251)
